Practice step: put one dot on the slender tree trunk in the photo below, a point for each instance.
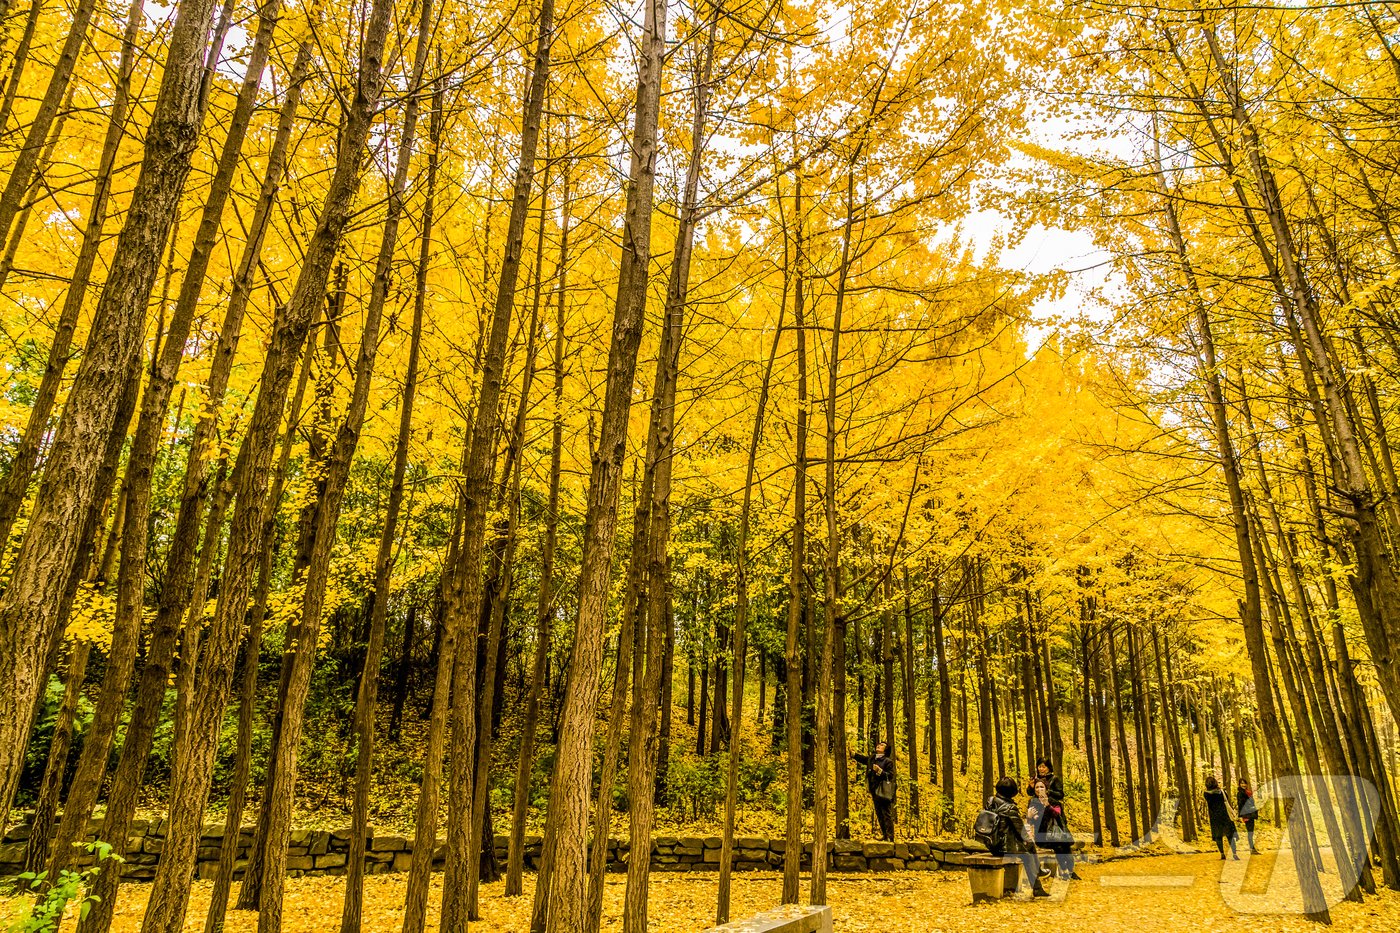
(792, 851)
(463, 851)
(141, 462)
(46, 804)
(568, 804)
(50, 546)
(544, 611)
(195, 752)
(282, 786)
(833, 627)
(1251, 613)
(911, 732)
(367, 696)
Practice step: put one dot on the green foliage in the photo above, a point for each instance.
(51, 898)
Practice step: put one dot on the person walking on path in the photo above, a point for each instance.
(1009, 840)
(1045, 824)
(1222, 821)
(879, 779)
(1248, 809)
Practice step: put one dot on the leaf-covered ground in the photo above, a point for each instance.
(1182, 892)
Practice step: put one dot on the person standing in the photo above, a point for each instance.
(1045, 771)
(1248, 809)
(1222, 821)
(879, 779)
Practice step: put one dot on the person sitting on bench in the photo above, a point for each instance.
(1009, 840)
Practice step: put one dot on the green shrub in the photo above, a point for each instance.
(51, 898)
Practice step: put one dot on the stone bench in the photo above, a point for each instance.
(790, 918)
(992, 878)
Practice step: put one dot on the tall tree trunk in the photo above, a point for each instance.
(50, 547)
(568, 803)
(462, 851)
(196, 746)
(792, 850)
(832, 627)
(141, 463)
(282, 786)
(1251, 610)
(544, 610)
(367, 696)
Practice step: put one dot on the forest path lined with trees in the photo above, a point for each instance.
(511, 417)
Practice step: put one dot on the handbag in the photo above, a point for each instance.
(1249, 810)
(1057, 833)
(884, 790)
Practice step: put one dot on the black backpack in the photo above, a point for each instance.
(990, 830)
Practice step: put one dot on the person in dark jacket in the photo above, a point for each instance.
(1013, 842)
(1222, 821)
(1248, 809)
(1045, 771)
(879, 780)
(1045, 823)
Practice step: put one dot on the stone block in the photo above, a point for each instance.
(331, 860)
(946, 845)
(901, 850)
(918, 850)
(972, 845)
(12, 853)
(691, 842)
(664, 841)
(849, 862)
(154, 844)
(711, 855)
(878, 850)
(300, 862)
(389, 844)
(887, 864)
(750, 865)
(751, 842)
(752, 855)
(713, 842)
(402, 861)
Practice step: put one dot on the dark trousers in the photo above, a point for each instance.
(884, 814)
